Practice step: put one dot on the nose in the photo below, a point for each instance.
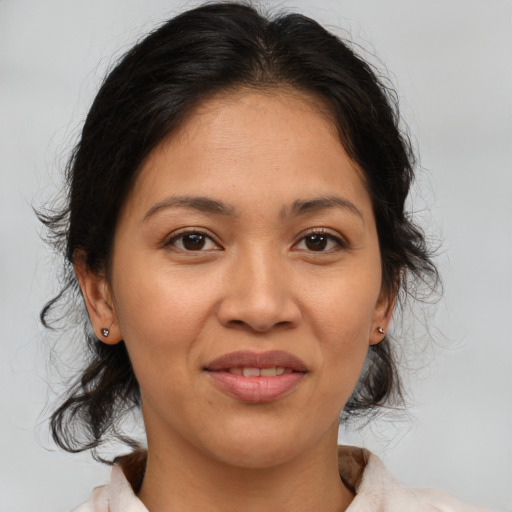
(259, 295)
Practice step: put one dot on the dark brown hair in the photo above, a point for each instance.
(214, 48)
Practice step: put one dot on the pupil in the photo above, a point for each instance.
(316, 242)
(193, 242)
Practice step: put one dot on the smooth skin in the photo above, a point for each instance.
(249, 228)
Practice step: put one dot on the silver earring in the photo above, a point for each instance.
(105, 332)
(380, 330)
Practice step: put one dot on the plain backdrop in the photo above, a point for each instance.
(450, 61)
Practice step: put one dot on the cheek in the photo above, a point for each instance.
(161, 315)
(343, 309)
(342, 319)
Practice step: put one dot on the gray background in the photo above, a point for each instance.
(451, 63)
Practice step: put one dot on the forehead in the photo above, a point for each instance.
(250, 142)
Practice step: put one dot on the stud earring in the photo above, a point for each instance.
(380, 330)
(105, 332)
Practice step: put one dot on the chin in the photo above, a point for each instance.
(258, 448)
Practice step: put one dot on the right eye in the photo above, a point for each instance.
(193, 241)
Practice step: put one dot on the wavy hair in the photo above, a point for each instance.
(213, 48)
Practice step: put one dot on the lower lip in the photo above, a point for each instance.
(256, 389)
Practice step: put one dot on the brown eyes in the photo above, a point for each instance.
(193, 241)
(320, 242)
(197, 241)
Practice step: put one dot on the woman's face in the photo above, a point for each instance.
(246, 280)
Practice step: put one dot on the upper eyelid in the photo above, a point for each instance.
(203, 231)
(186, 231)
(323, 231)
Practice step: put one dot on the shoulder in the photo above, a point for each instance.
(378, 491)
(440, 501)
(98, 501)
(117, 496)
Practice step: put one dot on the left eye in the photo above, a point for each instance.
(193, 241)
(319, 242)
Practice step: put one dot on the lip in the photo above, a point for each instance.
(256, 389)
(246, 358)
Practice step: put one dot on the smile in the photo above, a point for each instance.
(255, 378)
(259, 372)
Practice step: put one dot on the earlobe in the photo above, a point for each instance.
(381, 319)
(98, 301)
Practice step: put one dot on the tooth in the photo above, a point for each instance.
(268, 372)
(236, 371)
(280, 371)
(251, 372)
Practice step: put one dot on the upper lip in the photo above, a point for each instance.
(248, 359)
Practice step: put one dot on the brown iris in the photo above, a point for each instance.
(316, 242)
(193, 241)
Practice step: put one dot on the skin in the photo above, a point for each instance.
(258, 283)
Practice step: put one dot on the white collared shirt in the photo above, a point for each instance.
(375, 490)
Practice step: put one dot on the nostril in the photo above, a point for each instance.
(257, 311)
(259, 327)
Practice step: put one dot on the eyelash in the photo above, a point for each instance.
(181, 235)
(338, 241)
(340, 244)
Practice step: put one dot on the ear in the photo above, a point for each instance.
(382, 316)
(98, 300)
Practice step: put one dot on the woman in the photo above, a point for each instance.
(236, 228)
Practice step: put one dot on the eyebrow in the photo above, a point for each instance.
(196, 203)
(208, 205)
(305, 206)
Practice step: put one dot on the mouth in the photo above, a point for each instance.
(257, 377)
(259, 372)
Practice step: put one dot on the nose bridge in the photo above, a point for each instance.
(259, 294)
(262, 272)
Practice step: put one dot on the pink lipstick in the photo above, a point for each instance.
(257, 377)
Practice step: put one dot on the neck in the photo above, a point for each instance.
(180, 477)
